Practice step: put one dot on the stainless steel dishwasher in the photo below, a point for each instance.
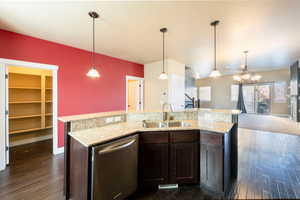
(114, 169)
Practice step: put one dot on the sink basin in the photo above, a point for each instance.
(178, 124)
(166, 124)
(155, 124)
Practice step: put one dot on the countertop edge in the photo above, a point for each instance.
(134, 131)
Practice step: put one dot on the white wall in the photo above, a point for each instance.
(221, 90)
(173, 86)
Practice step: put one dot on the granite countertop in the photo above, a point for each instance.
(91, 116)
(122, 112)
(103, 134)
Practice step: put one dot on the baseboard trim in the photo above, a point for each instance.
(58, 150)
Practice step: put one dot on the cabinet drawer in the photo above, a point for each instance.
(211, 138)
(184, 136)
(154, 137)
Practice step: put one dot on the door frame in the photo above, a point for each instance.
(141, 82)
(54, 68)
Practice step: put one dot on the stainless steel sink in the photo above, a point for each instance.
(154, 124)
(178, 124)
(165, 124)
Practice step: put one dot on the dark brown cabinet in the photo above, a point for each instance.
(184, 162)
(169, 157)
(153, 159)
(153, 164)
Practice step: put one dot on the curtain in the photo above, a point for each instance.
(241, 103)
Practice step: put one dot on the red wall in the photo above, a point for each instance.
(77, 94)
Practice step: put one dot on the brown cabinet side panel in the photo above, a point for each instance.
(215, 168)
(234, 152)
(203, 164)
(78, 185)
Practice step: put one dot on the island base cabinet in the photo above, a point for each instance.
(212, 167)
(153, 164)
(184, 162)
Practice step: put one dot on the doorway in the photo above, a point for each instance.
(30, 107)
(134, 93)
(258, 98)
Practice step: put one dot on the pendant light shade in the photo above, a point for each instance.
(215, 73)
(93, 73)
(163, 75)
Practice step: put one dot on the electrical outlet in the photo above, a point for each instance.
(118, 118)
(109, 120)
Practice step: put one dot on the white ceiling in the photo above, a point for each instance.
(269, 29)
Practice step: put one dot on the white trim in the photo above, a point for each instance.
(2, 119)
(142, 92)
(54, 68)
(54, 111)
(28, 64)
(6, 117)
(59, 150)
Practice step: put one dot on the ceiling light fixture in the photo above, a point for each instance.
(93, 73)
(245, 76)
(215, 73)
(163, 75)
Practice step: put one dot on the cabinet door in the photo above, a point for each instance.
(212, 166)
(184, 163)
(153, 164)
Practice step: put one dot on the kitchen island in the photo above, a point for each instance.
(125, 155)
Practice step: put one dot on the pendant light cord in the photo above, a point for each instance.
(246, 61)
(93, 42)
(215, 45)
(163, 52)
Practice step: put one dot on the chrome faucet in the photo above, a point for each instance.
(165, 113)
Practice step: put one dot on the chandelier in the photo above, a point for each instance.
(245, 76)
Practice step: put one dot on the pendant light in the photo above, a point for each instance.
(215, 73)
(93, 73)
(163, 75)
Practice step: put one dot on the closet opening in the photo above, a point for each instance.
(30, 112)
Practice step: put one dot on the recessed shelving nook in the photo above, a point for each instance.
(30, 104)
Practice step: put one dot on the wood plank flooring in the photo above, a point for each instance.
(269, 167)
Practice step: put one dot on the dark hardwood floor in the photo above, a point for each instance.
(34, 173)
(269, 167)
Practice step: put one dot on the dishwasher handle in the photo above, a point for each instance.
(116, 147)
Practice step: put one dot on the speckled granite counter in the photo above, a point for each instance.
(103, 134)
